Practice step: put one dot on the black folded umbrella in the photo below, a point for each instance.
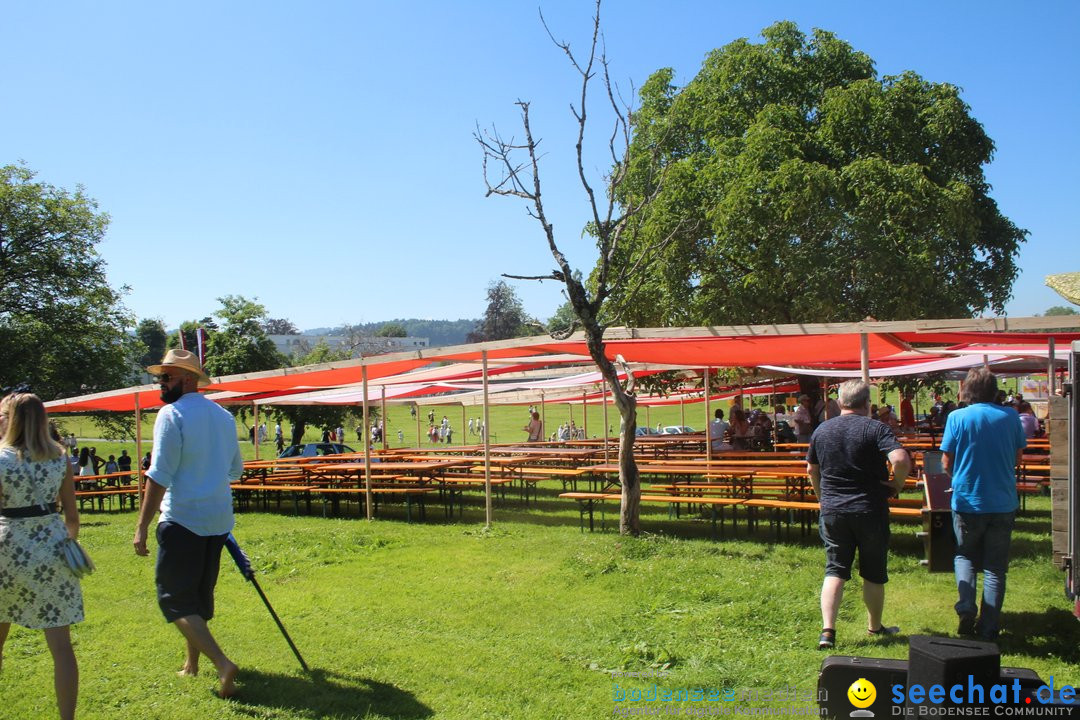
(244, 565)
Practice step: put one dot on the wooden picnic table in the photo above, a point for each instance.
(418, 471)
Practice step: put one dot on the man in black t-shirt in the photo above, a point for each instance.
(846, 464)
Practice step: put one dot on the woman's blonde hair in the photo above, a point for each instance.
(28, 428)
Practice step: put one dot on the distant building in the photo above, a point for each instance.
(362, 345)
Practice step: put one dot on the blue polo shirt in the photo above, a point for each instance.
(983, 439)
(196, 455)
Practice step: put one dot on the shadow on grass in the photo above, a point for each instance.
(1051, 633)
(323, 694)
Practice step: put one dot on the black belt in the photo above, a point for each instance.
(29, 511)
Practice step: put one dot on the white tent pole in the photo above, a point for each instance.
(464, 441)
(367, 448)
(487, 442)
(418, 443)
(256, 435)
(682, 412)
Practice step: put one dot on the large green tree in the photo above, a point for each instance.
(504, 317)
(241, 343)
(151, 333)
(321, 416)
(799, 186)
(63, 329)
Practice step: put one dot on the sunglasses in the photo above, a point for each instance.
(166, 377)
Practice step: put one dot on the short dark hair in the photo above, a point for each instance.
(980, 386)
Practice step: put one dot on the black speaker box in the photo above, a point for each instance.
(951, 661)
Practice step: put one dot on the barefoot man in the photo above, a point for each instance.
(195, 457)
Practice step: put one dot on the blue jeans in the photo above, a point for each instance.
(982, 543)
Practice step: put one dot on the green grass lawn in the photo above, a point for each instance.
(443, 619)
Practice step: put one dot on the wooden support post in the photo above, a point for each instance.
(368, 496)
(382, 416)
(708, 421)
(603, 398)
(864, 357)
(487, 442)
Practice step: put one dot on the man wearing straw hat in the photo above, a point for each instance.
(196, 455)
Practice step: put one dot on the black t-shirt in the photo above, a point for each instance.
(851, 450)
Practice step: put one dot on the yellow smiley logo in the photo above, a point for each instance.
(862, 693)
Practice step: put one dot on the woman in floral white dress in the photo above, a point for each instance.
(37, 588)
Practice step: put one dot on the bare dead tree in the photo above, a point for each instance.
(512, 168)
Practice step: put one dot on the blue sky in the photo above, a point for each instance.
(319, 155)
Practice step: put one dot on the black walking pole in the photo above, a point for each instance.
(244, 565)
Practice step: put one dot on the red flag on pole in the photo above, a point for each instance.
(200, 335)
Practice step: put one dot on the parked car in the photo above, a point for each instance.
(644, 430)
(677, 429)
(313, 449)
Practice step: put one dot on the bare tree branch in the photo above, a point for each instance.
(554, 275)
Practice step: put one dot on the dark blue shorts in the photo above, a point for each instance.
(844, 533)
(187, 571)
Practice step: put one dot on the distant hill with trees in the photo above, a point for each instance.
(438, 332)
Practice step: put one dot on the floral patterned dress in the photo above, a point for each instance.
(37, 589)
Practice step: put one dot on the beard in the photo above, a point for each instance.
(172, 394)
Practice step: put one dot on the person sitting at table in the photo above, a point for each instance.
(885, 415)
(1028, 421)
(718, 428)
(804, 422)
(740, 429)
(111, 465)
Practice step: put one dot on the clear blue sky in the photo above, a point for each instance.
(319, 155)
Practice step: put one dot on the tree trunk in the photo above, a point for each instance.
(629, 477)
(298, 432)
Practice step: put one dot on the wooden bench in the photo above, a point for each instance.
(899, 508)
(241, 492)
(453, 485)
(121, 493)
(410, 493)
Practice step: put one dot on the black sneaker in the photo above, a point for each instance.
(827, 639)
(884, 631)
(966, 626)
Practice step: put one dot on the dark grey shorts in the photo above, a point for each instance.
(187, 571)
(844, 533)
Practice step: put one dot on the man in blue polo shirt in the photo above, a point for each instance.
(195, 457)
(982, 444)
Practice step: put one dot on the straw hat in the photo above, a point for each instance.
(184, 360)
